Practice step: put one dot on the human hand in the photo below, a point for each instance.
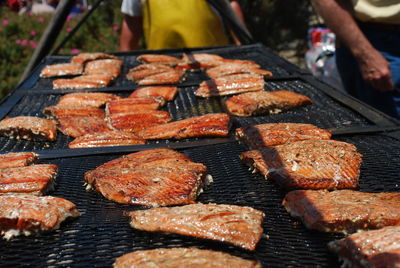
(375, 70)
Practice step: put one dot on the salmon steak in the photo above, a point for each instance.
(12, 160)
(137, 121)
(375, 248)
(129, 105)
(67, 110)
(81, 83)
(61, 69)
(76, 126)
(309, 164)
(168, 93)
(263, 102)
(158, 59)
(111, 67)
(240, 226)
(96, 99)
(182, 257)
(28, 128)
(108, 138)
(200, 60)
(85, 57)
(164, 78)
(344, 211)
(35, 179)
(27, 214)
(231, 84)
(208, 125)
(141, 71)
(279, 133)
(149, 178)
(230, 69)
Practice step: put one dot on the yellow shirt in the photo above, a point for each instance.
(381, 11)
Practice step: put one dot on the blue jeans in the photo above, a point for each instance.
(388, 44)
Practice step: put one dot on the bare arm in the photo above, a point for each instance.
(374, 68)
(238, 10)
(131, 33)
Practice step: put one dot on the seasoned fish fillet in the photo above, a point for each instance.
(137, 121)
(61, 69)
(377, 248)
(96, 99)
(158, 59)
(262, 102)
(231, 84)
(343, 211)
(35, 179)
(139, 72)
(149, 178)
(237, 225)
(164, 78)
(168, 93)
(111, 67)
(27, 214)
(229, 69)
(76, 84)
(85, 57)
(76, 126)
(67, 110)
(108, 138)
(102, 79)
(182, 257)
(199, 126)
(129, 105)
(200, 60)
(279, 133)
(12, 160)
(309, 164)
(28, 128)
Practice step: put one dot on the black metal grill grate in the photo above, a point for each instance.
(102, 233)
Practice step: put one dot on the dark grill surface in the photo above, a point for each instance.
(102, 233)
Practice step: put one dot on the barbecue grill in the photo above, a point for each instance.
(102, 232)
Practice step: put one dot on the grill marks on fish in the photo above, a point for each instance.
(182, 257)
(262, 102)
(62, 69)
(28, 128)
(237, 225)
(168, 93)
(215, 125)
(343, 211)
(108, 138)
(72, 111)
(76, 126)
(272, 134)
(26, 214)
(13, 160)
(309, 164)
(158, 177)
(35, 179)
(376, 248)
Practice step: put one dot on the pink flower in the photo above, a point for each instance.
(32, 43)
(33, 33)
(74, 51)
(24, 42)
(5, 22)
(40, 19)
(70, 17)
(68, 29)
(18, 41)
(115, 28)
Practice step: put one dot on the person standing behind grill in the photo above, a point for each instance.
(172, 24)
(368, 55)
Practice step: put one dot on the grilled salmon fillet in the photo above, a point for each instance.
(262, 102)
(35, 179)
(343, 211)
(76, 126)
(376, 248)
(236, 68)
(96, 99)
(28, 128)
(128, 105)
(309, 164)
(81, 83)
(158, 59)
(199, 126)
(68, 110)
(103, 79)
(200, 60)
(61, 69)
(108, 138)
(168, 93)
(279, 133)
(237, 225)
(111, 67)
(27, 214)
(164, 78)
(182, 257)
(85, 57)
(149, 178)
(231, 84)
(137, 121)
(141, 71)
(12, 160)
